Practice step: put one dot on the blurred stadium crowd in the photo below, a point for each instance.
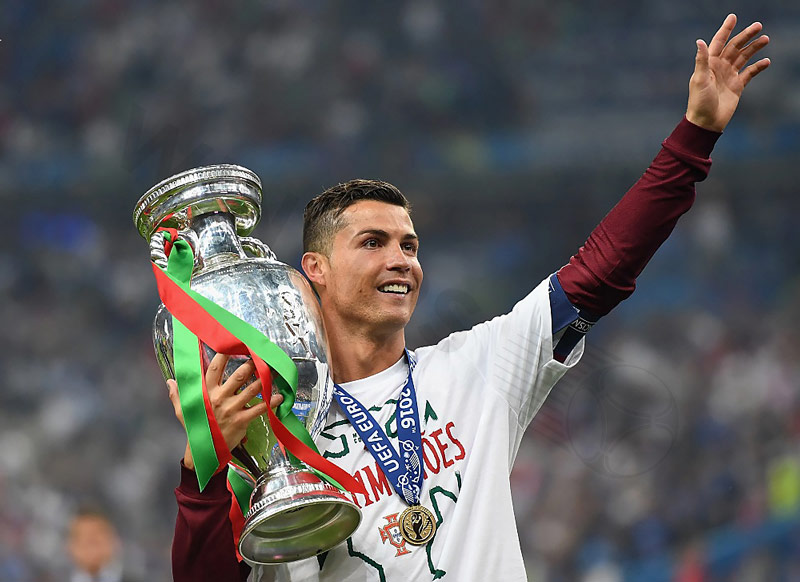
(670, 454)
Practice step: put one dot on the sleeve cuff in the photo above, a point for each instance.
(216, 487)
(692, 139)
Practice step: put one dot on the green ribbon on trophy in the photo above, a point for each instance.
(196, 319)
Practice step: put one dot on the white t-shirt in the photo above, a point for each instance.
(477, 391)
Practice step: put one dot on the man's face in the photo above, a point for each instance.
(92, 543)
(373, 275)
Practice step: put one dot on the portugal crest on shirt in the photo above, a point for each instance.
(391, 533)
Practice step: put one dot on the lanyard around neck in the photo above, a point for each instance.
(403, 467)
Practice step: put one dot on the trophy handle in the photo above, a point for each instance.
(157, 254)
(256, 248)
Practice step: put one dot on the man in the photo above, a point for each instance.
(476, 391)
(94, 547)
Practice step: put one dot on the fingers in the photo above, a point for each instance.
(216, 368)
(747, 75)
(252, 391)
(248, 393)
(721, 37)
(747, 53)
(701, 58)
(172, 386)
(257, 410)
(239, 377)
(738, 51)
(738, 43)
(254, 412)
(741, 39)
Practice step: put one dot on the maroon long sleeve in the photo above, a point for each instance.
(604, 270)
(203, 548)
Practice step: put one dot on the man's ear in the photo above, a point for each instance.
(315, 266)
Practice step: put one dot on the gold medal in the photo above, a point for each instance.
(417, 525)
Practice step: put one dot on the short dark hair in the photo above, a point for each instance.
(91, 510)
(322, 218)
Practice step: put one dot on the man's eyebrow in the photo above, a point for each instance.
(383, 234)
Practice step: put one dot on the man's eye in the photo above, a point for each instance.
(371, 243)
(410, 247)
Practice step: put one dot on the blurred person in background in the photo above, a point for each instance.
(492, 387)
(94, 548)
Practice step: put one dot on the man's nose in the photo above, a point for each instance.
(398, 259)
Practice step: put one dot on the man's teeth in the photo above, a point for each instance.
(394, 288)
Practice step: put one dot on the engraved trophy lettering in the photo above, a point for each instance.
(294, 514)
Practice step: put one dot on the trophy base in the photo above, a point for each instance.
(295, 515)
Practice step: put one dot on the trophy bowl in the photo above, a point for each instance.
(294, 514)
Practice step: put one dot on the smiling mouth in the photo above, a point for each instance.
(395, 288)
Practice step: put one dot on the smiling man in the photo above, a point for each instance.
(433, 433)
(361, 257)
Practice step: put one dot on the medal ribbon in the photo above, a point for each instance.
(402, 468)
(225, 333)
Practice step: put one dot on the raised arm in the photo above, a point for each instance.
(605, 268)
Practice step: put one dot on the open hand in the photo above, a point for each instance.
(720, 74)
(228, 403)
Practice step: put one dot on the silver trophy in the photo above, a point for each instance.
(294, 514)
